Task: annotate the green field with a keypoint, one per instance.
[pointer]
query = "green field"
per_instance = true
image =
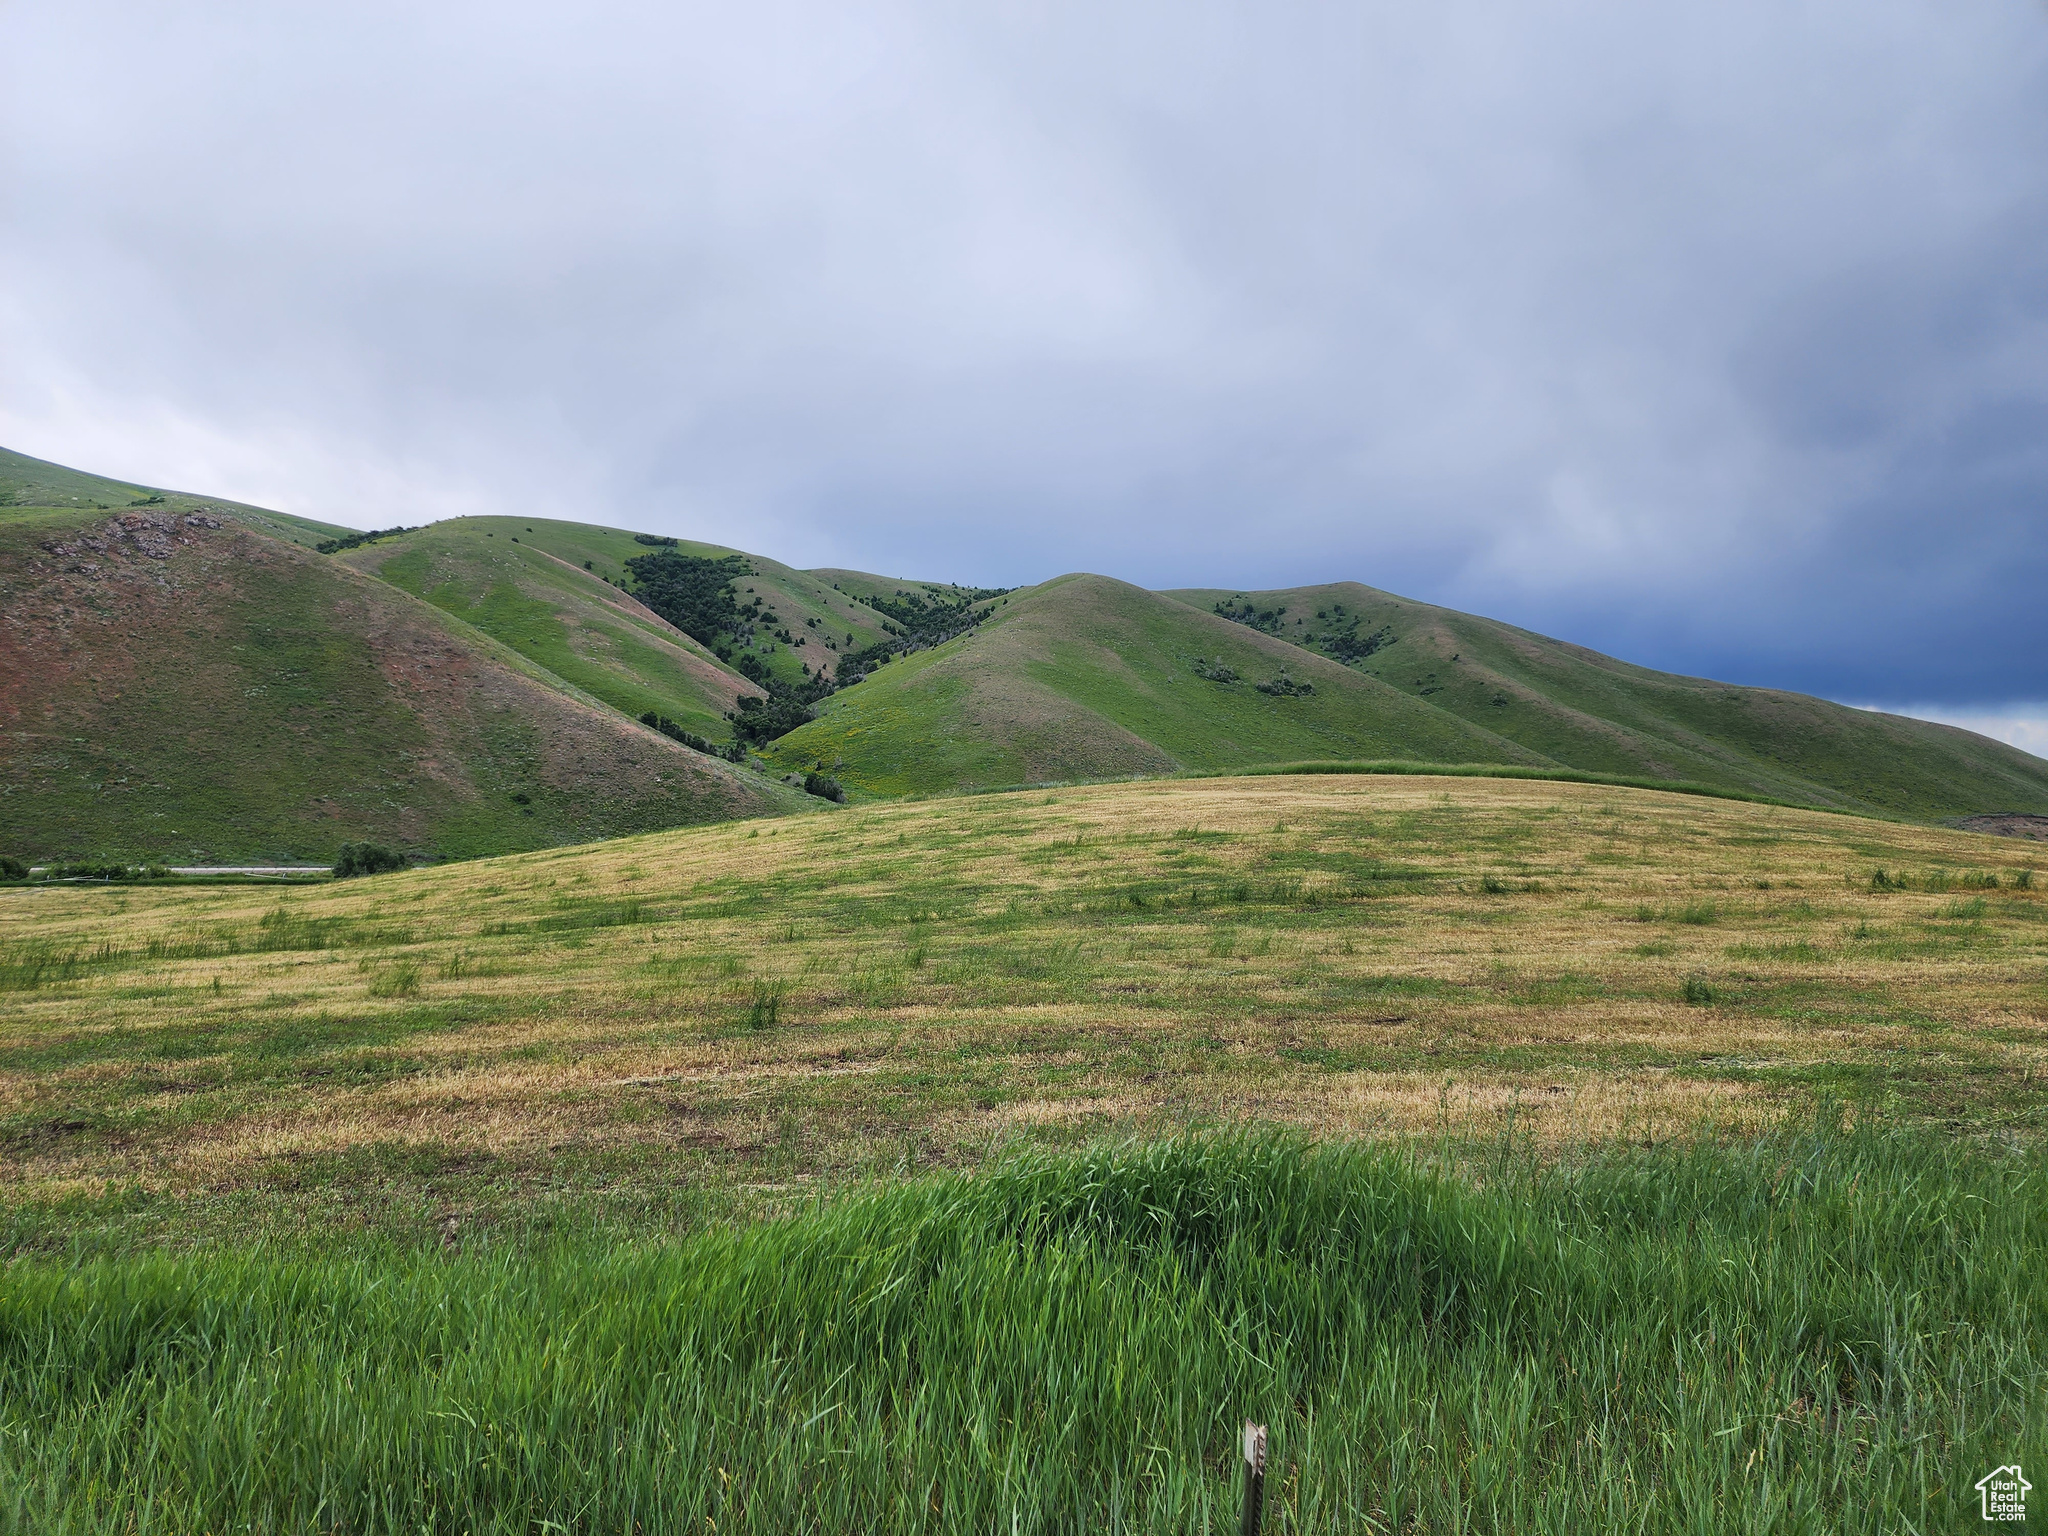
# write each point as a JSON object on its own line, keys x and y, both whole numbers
{"x": 838, "y": 995}
{"x": 1820, "y": 1331}
{"x": 1530, "y": 1156}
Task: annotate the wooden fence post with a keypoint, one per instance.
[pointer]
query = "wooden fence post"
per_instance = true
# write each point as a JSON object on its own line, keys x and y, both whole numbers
{"x": 1254, "y": 1476}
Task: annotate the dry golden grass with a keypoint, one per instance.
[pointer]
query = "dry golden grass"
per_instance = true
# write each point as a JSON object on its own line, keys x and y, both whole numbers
{"x": 842, "y": 992}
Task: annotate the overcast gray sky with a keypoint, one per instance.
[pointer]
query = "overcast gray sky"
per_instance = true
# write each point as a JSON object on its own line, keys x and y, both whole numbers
{"x": 1712, "y": 336}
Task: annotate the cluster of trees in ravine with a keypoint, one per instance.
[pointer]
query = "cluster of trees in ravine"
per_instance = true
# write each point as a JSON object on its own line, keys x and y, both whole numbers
{"x": 1337, "y": 637}
{"x": 700, "y": 595}
{"x": 356, "y": 540}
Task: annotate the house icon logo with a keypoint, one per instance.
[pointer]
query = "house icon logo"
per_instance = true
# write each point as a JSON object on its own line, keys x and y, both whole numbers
{"x": 2004, "y": 1493}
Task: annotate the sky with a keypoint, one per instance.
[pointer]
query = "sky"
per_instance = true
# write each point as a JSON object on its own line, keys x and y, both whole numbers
{"x": 1713, "y": 337}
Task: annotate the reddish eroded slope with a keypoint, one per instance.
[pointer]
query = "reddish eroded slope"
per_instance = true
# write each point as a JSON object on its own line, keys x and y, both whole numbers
{"x": 176, "y": 685}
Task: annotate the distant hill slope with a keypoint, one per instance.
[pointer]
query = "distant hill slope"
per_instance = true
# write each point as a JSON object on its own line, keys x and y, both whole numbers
{"x": 185, "y": 677}
{"x": 554, "y": 612}
{"x": 1574, "y": 706}
{"x": 27, "y": 483}
{"x": 175, "y": 684}
{"x": 1086, "y": 677}
{"x": 555, "y": 592}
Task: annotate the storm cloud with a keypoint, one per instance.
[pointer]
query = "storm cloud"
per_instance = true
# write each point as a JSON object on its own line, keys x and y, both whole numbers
{"x": 1714, "y": 337}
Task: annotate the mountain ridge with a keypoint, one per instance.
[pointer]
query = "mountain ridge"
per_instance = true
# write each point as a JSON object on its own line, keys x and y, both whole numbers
{"x": 1083, "y": 676}
{"x": 1588, "y": 710}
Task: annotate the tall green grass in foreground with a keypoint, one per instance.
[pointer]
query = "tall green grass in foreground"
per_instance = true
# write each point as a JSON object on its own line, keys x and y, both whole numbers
{"x": 1825, "y": 1330}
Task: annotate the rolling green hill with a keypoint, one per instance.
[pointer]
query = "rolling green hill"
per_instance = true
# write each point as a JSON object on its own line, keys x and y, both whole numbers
{"x": 177, "y": 685}
{"x": 145, "y": 700}
{"x": 554, "y": 592}
{"x": 1086, "y": 677}
{"x": 555, "y": 613}
{"x": 1577, "y": 707}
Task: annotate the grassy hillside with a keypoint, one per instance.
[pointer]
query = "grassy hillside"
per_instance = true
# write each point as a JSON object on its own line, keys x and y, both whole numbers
{"x": 546, "y": 606}
{"x": 460, "y": 563}
{"x": 470, "y": 1158}
{"x": 1575, "y": 706}
{"x": 1085, "y": 677}
{"x": 175, "y": 684}
{"x": 27, "y": 484}
{"x": 793, "y": 596}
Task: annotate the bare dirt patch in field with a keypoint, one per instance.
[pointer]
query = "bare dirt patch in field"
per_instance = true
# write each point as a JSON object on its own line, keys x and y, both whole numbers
{"x": 2007, "y": 824}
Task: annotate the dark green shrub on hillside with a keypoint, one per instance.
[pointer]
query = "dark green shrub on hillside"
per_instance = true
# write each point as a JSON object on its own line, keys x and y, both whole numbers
{"x": 1285, "y": 687}
{"x": 693, "y": 593}
{"x": 1350, "y": 647}
{"x": 787, "y": 705}
{"x": 1214, "y": 672}
{"x": 732, "y": 752}
{"x": 855, "y": 665}
{"x": 366, "y": 859}
{"x": 928, "y": 618}
{"x": 697, "y": 595}
{"x": 824, "y": 788}
{"x": 357, "y": 540}
{"x": 1244, "y": 611}
{"x": 12, "y": 869}
{"x": 658, "y": 540}
{"x": 760, "y": 720}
